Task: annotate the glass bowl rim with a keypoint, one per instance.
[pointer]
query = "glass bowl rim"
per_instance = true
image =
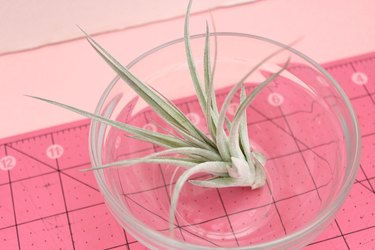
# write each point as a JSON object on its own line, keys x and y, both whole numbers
{"x": 324, "y": 216}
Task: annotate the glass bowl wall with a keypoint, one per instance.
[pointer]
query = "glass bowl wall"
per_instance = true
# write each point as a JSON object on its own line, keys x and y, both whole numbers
{"x": 302, "y": 122}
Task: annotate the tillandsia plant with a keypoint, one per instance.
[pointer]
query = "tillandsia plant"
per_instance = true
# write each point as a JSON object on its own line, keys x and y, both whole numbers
{"x": 225, "y": 153}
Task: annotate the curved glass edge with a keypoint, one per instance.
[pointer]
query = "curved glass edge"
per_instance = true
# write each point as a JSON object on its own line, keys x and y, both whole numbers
{"x": 324, "y": 216}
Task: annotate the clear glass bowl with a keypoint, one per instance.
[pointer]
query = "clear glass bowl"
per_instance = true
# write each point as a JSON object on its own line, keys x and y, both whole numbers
{"x": 302, "y": 122}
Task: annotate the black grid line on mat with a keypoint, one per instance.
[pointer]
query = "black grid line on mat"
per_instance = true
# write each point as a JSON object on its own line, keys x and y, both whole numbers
{"x": 85, "y": 125}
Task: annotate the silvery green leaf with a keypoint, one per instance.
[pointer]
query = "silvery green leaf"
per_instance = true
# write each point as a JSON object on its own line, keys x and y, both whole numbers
{"x": 221, "y": 182}
{"x": 206, "y": 62}
{"x": 168, "y": 112}
{"x": 259, "y": 157}
{"x": 260, "y": 175}
{"x": 181, "y": 162}
{"x": 142, "y": 134}
{"x": 244, "y": 136}
{"x": 222, "y": 140}
{"x": 191, "y": 152}
{"x": 210, "y": 116}
{"x": 193, "y": 71}
{"x": 156, "y": 158}
{"x": 243, "y": 170}
{"x": 210, "y": 167}
{"x": 209, "y": 74}
{"x": 217, "y": 182}
{"x": 234, "y": 132}
{"x": 205, "y": 143}
{"x": 212, "y": 75}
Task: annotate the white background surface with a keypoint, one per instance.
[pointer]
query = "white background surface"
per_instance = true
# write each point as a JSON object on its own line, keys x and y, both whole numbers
{"x": 73, "y": 73}
{"x": 26, "y": 24}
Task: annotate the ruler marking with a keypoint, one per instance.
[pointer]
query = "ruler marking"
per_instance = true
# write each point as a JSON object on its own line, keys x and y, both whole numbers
{"x": 32, "y": 157}
{"x": 198, "y": 223}
{"x": 31, "y": 177}
{"x": 274, "y": 202}
{"x": 361, "y": 96}
{"x": 13, "y": 204}
{"x": 63, "y": 195}
{"x": 285, "y": 131}
{"x": 369, "y": 94}
{"x": 221, "y": 200}
{"x": 302, "y": 155}
{"x": 369, "y": 134}
{"x": 366, "y": 177}
{"x": 126, "y": 200}
{"x": 341, "y": 234}
{"x": 340, "y": 65}
{"x": 364, "y": 186}
{"x": 121, "y": 245}
{"x": 311, "y": 176}
{"x": 325, "y": 240}
{"x": 45, "y": 134}
{"x": 364, "y": 85}
{"x": 200, "y": 237}
{"x": 53, "y": 215}
{"x": 76, "y": 166}
{"x": 47, "y": 173}
{"x": 306, "y": 166}
{"x": 165, "y": 184}
{"x": 77, "y": 180}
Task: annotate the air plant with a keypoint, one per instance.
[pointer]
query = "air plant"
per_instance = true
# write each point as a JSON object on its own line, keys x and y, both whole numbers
{"x": 228, "y": 157}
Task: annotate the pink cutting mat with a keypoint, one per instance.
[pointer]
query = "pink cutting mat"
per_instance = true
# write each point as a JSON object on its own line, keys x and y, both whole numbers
{"x": 46, "y": 203}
